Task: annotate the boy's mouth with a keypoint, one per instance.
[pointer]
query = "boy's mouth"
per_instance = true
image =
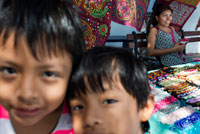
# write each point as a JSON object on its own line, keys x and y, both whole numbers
{"x": 26, "y": 112}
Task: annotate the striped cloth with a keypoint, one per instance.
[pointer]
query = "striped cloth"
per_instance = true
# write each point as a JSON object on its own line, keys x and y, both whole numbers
{"x": 64, "y": 125}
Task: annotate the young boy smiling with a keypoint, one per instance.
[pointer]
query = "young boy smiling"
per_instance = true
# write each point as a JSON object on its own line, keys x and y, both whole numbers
{"x": 109, "y": 93}
{"x": 40, "y": 43}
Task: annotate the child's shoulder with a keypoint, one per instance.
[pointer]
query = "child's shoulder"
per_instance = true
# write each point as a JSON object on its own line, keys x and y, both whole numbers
{"x": 3, "y": 113}
{"x": 5, "y": 124}
{"x": 64, "y": 125}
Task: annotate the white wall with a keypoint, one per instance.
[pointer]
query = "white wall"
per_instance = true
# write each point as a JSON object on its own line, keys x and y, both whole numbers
{"x": 190, "y": 25}
{"x": 118, "y": 29}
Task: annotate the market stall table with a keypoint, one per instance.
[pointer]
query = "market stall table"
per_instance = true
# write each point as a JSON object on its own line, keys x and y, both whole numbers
{"x": 177, "y": 99}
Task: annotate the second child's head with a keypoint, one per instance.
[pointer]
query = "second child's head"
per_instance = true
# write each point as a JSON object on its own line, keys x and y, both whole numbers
{"x": 40, "y": 42}
{"x": 109, "y": 93}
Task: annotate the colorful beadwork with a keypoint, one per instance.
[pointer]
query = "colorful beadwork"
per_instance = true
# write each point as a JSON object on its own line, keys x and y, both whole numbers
{"x": 183, "y": 111}
{"x": 185, "y": 122}
{"x": 163, "y": 103}
{"x": 177, "y": 115}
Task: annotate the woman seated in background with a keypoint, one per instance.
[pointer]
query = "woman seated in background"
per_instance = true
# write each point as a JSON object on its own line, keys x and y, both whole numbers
{"x": 163, "y": 41}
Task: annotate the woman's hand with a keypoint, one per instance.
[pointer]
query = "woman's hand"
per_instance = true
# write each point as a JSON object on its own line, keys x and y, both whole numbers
{"x": 178, "y": 47}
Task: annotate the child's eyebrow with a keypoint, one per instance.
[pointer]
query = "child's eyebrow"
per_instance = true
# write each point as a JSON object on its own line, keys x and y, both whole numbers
{"x": 53, "y": 65}
{"x": 8, "y": 62}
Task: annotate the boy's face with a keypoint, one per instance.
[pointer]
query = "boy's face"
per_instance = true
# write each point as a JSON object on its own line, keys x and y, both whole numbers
{"x": 112, "y": 112}
{"x": 32, "y": 91}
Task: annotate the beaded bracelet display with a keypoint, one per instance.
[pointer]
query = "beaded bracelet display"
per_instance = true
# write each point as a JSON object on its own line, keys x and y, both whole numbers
{"x": 169, "y": 109}
{"x": 159, "y": 94}
{"x": 188, "y": 72}
{"x": 184, "y": 90}
{"x": 177, "y": 115}
{"x": 181, "y": 96}
{"x": 193, "y": 100}
{"x": 172, "y": 85}
{"x": 179, "y": 87}
{"x": 186, "y": 122}
{"x": 160, "y": 104}
{"x": 193, "y": 94}
{"x": 196, "y": 82}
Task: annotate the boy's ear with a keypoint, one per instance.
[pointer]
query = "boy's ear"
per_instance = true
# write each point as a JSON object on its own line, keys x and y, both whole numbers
{"x": 146, "y": 112}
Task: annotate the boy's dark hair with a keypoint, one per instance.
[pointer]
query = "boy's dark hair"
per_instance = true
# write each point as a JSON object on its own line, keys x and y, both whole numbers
{"x": 100, "y": 64}
{"x": 46, "y": 25}
{"x": 159, "y": 8}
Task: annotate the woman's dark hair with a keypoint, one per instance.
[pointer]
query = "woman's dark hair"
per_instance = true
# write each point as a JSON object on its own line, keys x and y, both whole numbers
{"x": 159, "y": 8}
{"x": 48, "y": 25}
{"x": 102, "y": 64}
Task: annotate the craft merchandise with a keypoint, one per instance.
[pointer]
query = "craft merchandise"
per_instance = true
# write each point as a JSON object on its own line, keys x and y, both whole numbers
{"x": 161, "y": 104}
{"x": 170, "y": 82}
{"x": 177, "y": 99}
{"x": 187, "y": 121}
{"x": 192, "y": 94}
{"x": 194, "y": 78}
{"x": 185, "y": 89}
{"x": 184, "y": 41}
{"x": 159, "y": 94}
{"x": 181, "y": 96}
{"x": 169, "y": 108}
{"x": 177, "y": 115}
{"x": 177, "y": 88}
{"x": 187, "y": 72}
{"x": 193, "y": 100}
{"x": 173, "y": 84}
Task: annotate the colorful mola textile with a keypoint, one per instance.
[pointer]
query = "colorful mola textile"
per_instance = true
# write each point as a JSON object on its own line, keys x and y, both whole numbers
{"x": 96, "y": 19}
{"x": 130, "y": 12}
{"x": 182, "y": 10}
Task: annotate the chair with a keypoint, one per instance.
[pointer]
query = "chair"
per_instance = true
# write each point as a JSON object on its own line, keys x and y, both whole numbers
{"x": 139, "y": 41}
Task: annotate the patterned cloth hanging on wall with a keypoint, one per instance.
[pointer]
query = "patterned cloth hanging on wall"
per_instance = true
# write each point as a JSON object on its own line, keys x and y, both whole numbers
{"x": 96, "y": 17}
{"x": 182, "y": 10}
{"x": 130, "y": 12}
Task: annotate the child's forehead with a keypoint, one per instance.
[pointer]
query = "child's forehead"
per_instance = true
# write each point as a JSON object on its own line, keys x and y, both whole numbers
{"x": 39, "y": 49}
{"x": 112, "y": 87}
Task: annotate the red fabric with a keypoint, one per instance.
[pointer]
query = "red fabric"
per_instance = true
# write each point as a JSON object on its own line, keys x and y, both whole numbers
{"x": 96, "y": 17}
{"x": 3, "y": 113}
{"x": 71, "y": 131}
{"x": 130, "y": 12}
{"x": 182, "y": 10}
{"x": 96, "y": 20}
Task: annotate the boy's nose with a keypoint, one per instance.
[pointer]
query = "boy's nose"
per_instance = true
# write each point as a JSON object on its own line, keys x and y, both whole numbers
{"x": 93, "y": 118}
{"x": 27, "y": 92}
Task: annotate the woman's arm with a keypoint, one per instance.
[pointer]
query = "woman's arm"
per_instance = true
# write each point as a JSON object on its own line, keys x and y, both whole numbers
{"x": 152, "y": 51}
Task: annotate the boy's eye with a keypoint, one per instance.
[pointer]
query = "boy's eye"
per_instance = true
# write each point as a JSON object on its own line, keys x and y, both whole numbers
{"x": 109, "y": 101}
{"x": 8, "y": 71}
{"x": 49, "y": 74}
{"x": 78, "y": 107}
